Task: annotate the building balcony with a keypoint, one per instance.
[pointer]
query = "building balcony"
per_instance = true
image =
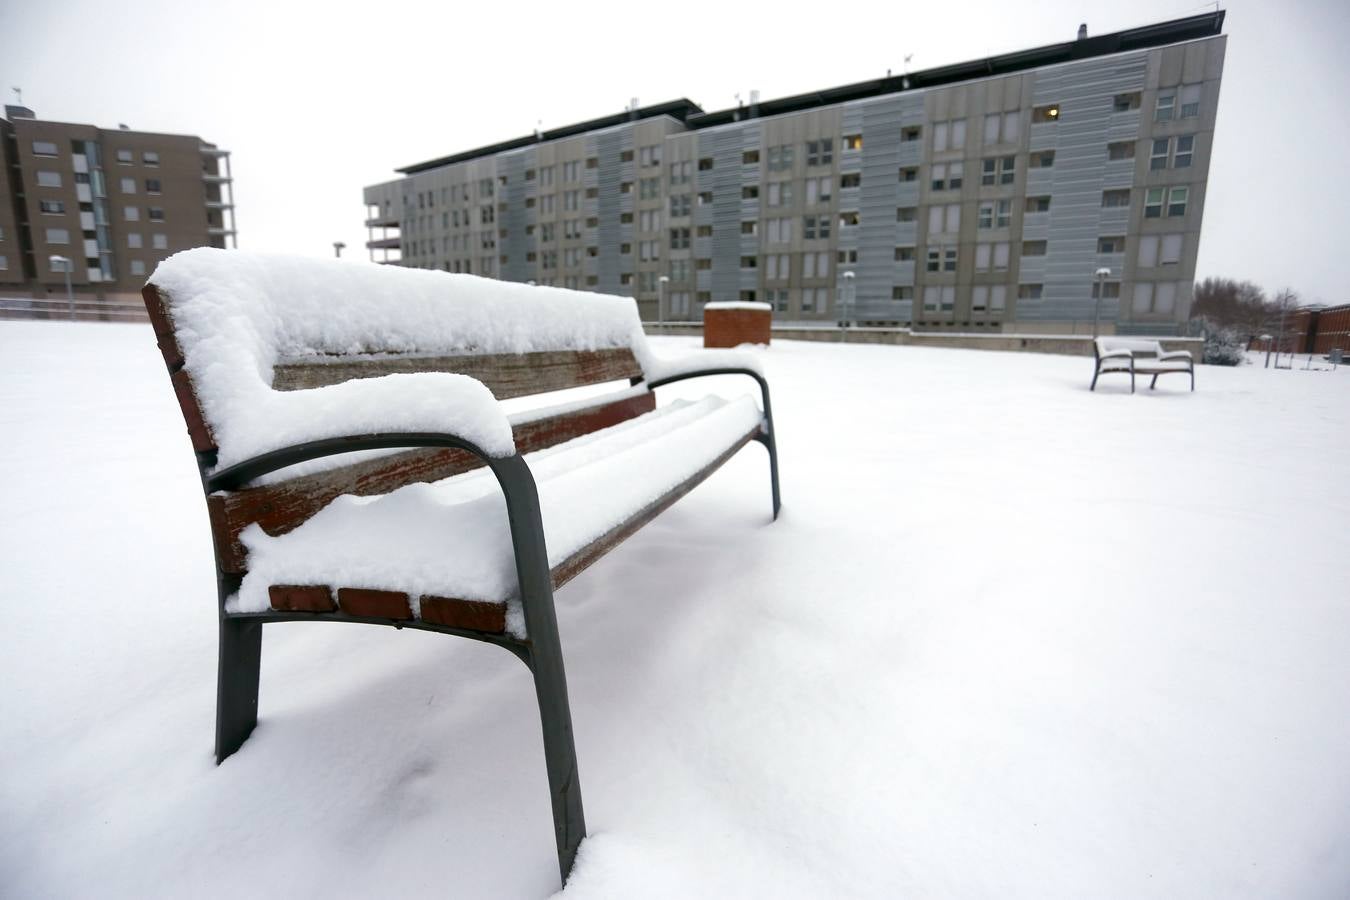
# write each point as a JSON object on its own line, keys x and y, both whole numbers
{"x": 217, "y": 231}
{"x": 383, "y": 222}
{"x": 213, "y": 151}
{"x": 388, "y": 243}
{"x": 214, "y": 178}
{"x": 218, "y": 204}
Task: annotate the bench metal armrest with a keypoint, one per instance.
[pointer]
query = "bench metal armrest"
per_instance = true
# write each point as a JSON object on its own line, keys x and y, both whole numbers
{"x": 1116, "y": 354}
{"x": 1176, "y": 354}
{"x": 241, "y": 473}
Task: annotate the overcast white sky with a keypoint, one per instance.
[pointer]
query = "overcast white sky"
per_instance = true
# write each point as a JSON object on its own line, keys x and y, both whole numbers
{"x": 317, "y": 100}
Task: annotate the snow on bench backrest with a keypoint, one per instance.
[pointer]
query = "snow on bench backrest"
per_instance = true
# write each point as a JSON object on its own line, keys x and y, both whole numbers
{"x": 241, "y": 319}
{"x": 1134, "y": 345}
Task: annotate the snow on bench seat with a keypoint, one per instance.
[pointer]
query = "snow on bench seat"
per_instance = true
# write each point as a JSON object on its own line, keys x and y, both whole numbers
{"x": 450, "y": 539}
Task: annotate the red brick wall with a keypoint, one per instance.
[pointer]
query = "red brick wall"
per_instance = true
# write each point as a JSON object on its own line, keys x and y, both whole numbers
{"x": 730, "y": 327}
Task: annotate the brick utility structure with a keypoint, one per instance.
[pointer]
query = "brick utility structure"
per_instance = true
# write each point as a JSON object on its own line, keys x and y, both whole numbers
{"x": 733, "y": 324}
{"x": 976, "y": 197}
{"x": 114, "y": 202}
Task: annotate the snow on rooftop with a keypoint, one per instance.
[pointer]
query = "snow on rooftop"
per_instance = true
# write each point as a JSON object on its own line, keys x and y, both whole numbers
{"x": 1009, "y": 638}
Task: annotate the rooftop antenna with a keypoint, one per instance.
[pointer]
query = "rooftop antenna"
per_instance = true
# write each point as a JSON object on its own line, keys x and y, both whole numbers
{"x": 18, "y": 96}
{"x": 538, "y": 128}
{"x": 904, "y": 80}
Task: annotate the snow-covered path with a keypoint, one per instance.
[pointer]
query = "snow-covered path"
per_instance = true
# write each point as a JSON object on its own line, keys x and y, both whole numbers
{"x": 1009, "y": 638}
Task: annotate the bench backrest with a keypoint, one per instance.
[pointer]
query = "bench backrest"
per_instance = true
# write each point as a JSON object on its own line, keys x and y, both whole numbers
{"x": 232, "y": 326}
{"x": 1134, "y": 345}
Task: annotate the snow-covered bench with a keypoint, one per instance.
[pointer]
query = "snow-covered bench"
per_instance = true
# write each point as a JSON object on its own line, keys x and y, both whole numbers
{"x": 1137, "y": 356}
{"x": 359, "y": 467}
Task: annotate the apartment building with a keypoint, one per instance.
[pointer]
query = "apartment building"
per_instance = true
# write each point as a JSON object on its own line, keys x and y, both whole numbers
{"x": 107, "y": 204}
{"x": 983, "y": 196}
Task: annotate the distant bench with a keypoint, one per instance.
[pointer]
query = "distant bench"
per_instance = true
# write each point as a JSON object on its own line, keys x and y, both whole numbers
{"x": 1135, "y": 356}
{"x": 280, "y": 366}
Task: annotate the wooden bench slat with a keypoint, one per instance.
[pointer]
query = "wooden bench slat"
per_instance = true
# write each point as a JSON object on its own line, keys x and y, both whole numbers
{"x": 579, "y": 561}
{"x": 374, "y": 604}
{"x": 507, "y": 375}
{"x": 278, "y": 508}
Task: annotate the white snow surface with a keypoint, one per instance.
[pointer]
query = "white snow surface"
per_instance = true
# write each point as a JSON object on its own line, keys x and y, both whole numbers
{"x": 739, "y": 304}
{"x": 450, "y": 538}
{"x": 238, "y": 314}
{"x": 1008, "y": 639}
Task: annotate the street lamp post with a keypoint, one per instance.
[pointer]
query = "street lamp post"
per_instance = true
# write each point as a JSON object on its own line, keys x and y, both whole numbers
{"x": 1102, "y": 274}
{"x": 66, "y": 265}
{"x": 661, "y": 298}
{"x": 338, "y": 247}
{"x": 848, "y": 299}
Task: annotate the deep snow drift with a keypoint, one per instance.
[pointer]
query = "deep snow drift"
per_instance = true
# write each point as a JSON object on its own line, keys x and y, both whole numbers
{"x": 1009, "y": 638}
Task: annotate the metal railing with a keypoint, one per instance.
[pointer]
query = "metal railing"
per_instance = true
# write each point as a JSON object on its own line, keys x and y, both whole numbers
{"x": 82, "y": 310}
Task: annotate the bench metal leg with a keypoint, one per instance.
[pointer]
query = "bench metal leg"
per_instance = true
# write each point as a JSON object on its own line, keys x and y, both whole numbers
{"x": 545, "y": 656}
{"x": 1154, "y": 383}
{"x": 237, "y": 684}
{"x": 1093, "y": 386}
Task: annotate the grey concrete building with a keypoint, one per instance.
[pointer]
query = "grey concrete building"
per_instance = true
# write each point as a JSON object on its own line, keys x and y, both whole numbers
{"x": 112, "y": 201}
{"x": 982, "y": 196}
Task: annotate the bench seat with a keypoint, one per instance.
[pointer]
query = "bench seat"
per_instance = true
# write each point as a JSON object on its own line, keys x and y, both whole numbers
{"x": 449, "y": 540}
{"x": 1145, "y": 366}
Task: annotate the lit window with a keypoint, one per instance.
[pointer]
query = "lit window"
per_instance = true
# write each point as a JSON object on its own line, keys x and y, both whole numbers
{"x": 1048, "y": 113}
{"x": 853, "y": 142}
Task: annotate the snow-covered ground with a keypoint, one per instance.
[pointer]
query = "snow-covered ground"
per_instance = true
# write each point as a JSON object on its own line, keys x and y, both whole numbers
{"x": 1009, "y": 638}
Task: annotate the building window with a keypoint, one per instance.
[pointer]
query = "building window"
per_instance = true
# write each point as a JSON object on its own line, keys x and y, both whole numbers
{"x": 133, "y": 240}
{"x": 1176, "y": 201}
{"x": 1004, "y": 127}
{"x": 1171, "y": 250}
{"x": 749, "y": 262}
{"x": 1029, "y": 291}
{"x": 152, "y": 186}
{"x": 156, "y": 214}
{"x": 1166, "y": 105}
{"x": 49, "y": 179}
{"x": 52, "y": 207}
{"x": 853, "y": 142}
{"x": 649, "y": 156}
{"x": 979, "y": 298}
{"x": 1158, "y": 155}
{"x": 1190, "y": 101}
{"x": 150, "y": 158}
{"x": 848, "y": 218}
{"x": 780, "y": 158}
{"x": 748, "y": 227}
{"x": 1185, "y": 150}
{"x": 131, "y": 214}
{"x": 934, "y": 263}
{"x": 137, "y": 267}
{"x": 906, "y": 214}
{"x": 998, "y": 171}
{"x": 995, "y": 214}
{"x": 820, "y": 153}
{"x": 777, "y": 267}
{"x": 1111, "y": 244}
{"x": 816, "y": 265}
{"x": 705, "y": 198}
{"x": 815, "y": 227}
{"x": 847, "y": 256}
{"x": 904, "y": 254}
{"x": 1048, "y": 113}
{"x": 1116, "y": 198}
{"x": 124, "y": 157}
{"x": 159, "y": 241}
{"x": 911, "y": 133}
{"x": 649, "y": 188}
{"x": 902, "y": 292}
{"x": 679, "y": 238}
{"x": 679, "y": 205}
{"x": 1111, "y": 290}
{"x": 44, "y": 148}
{"x": 780, "y": 193}
{"x": 778, "y": 231}
{"x": 571, "y": 170}
{"x": 992, "y": 256}
{"x": 1126, "y": 102}
{"x": 681, "y": 172}
{"x": 649, "y": 220}
{"x": 850, "y": 180}
{"x": 58, "y": 236}
{"x": 750, "y": 192}
{"x": 626, "y": 156}
{"x": 1042, "y": 159}
{"x": 909, "y": 173}
{"x": 1120, "y": 150}
{"x": 4, "y": 263}
{"x": 944, "y": 219}
{"x": 750, "y": 158}
{"x": 818, "y": 190}
{"x": 949, "y": 135}
{"x": 1033, "y": 248}
{"x": 1038, "y": 204}
{"x": 704, "y": 231}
